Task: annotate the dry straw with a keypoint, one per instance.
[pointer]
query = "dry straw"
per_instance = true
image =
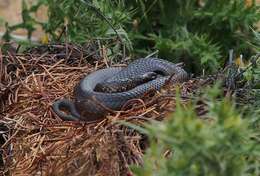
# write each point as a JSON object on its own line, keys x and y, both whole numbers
{"x": 39, "y": 143}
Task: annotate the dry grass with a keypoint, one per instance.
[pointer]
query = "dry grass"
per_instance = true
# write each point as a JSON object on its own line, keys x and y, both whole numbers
{"x": 39, "y": 143}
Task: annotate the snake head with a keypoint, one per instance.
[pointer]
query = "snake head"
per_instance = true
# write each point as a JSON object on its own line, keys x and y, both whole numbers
{"x": 149, "y": 76}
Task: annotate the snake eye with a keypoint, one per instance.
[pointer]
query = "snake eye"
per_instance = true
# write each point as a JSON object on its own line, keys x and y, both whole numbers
{"x": 154, "y": 76}
{"x": 150, "y": 75}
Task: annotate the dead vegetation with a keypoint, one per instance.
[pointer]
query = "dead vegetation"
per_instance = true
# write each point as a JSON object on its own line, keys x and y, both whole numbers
{"x": 37, "y": 142}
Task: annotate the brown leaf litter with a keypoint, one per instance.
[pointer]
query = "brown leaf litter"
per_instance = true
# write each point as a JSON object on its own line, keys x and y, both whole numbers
{"x": 38, "y": 142}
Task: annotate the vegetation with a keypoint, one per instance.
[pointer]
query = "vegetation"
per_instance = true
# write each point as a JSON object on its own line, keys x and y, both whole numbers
{"x": 223, "y": 141}
{"x": 199, "y": 33}
{"x": 225, "y": 145}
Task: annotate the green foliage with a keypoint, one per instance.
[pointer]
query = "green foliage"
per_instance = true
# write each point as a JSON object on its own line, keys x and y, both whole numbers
{"x": 252, "y": 74}
{"x": 204, "y": 52}
{"x": 77, "y": 21}
{"x": 199, "y": 33}
{"x": 222, "y": 146}
{"x": 84, "y": 20}
{"x": 180, "y": 25}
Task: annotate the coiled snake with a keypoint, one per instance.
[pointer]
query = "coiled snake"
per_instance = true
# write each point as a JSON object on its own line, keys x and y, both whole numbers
{"x": 112, "y": 87}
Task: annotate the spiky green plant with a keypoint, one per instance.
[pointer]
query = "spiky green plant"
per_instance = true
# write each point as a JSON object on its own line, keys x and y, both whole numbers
{"x": 197, "y": 32}
{"x": 226, "y": 145}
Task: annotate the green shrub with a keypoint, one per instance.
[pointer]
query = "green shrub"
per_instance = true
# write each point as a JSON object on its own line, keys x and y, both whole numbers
{"x": 197, "y": 32}
{"x": 200, "y": 33}
{"x": 226, "y": 145}
{"x": 84, "y": 20}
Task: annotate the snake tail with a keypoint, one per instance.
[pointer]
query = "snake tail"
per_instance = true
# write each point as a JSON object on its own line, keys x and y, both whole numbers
{"x": 68, "y": 105}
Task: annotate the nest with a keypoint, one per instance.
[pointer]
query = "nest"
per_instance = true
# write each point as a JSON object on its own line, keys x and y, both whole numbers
{"x": 37, "y": 142}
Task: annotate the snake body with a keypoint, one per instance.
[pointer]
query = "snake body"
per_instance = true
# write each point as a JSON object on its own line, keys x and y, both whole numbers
{"x": 125, "y": 83}
{"x": 91, "y": 104}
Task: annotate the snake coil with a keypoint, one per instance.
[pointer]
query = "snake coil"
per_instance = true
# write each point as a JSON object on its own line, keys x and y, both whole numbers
{"x": 92, "y": 105}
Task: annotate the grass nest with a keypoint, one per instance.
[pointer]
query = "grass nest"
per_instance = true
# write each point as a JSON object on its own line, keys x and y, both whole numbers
{"x": 35, "y": 141}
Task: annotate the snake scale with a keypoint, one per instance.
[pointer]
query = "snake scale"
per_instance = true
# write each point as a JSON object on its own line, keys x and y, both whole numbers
{"x": 102, "y": 89}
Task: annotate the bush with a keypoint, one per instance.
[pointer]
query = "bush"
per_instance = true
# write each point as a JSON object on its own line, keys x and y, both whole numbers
{"x": 200, "y": 33}
{"x": 225, "y": 145}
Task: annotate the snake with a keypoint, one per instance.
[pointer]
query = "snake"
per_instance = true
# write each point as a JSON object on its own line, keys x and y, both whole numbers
{"x": 124, "y": 84}
{"x": 109, "y": 89}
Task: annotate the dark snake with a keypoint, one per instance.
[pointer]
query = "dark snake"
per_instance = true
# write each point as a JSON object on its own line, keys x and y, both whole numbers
{"x": 110, "y": 88}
